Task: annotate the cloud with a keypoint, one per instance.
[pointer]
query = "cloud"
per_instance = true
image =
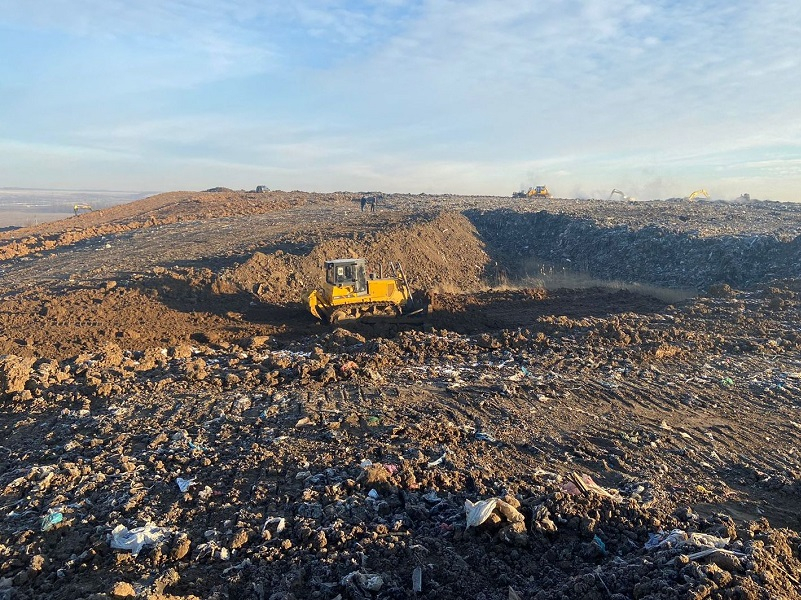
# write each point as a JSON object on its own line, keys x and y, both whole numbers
{"x": 476, "y": 95}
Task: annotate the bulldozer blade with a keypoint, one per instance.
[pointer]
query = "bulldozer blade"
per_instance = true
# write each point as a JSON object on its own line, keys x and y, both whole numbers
{"x": 315, "y": 306}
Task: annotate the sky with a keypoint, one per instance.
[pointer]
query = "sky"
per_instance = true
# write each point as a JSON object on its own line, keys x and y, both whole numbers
{"x": 654, "y": 98}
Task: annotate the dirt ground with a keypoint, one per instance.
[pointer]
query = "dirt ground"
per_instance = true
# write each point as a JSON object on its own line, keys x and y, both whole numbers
{"x": 605, "y": 402}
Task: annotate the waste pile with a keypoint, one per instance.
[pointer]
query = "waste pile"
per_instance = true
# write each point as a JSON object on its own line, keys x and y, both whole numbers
{"x": 170, "y": 432}
{"x": 436, "y": 463}
{"x": 652, "y": 254}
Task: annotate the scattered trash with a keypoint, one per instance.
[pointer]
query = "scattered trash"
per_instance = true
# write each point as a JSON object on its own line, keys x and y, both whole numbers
{"x": 366, "y": 463}
{"x": 584, "y": 484}
{"x": 373, "y": 494}
{"x": 51, "y": 520}
{"x": 135, "y": 539}
{"x": 184, "y": 484}
{"x": 214, "y": 551}
{"x": 677, "y": 538}
{"x": 483, "y": 436}
{"x": 366, "y": 581}
{"x": 435, "y": 463}
{"x": 710, "y": 551}
{"x": 600, "y": 544}
{"x": 417, "y": 580}
{"x": 480, "y": 511}
{"x": 431, "y": 497}
{"x": 373, "y": 421}
{"x": 278, "y": 522}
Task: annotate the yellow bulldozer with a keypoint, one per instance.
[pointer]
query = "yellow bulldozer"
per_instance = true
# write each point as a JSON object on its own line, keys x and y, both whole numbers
{"x": 350, "y": 293}
{"x": 539, "y": 191}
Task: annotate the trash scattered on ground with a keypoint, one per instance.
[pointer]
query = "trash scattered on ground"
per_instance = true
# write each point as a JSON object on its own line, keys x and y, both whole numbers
{"x": 417, "y": 580}
{"x": 528, "y": 441}
{"x": 439, "y": 461}
{"x": 137, "y": 538}
{"x": 184, "y": 484}
{"x": 678, "y": 538}
{"x": 51, "y": 520}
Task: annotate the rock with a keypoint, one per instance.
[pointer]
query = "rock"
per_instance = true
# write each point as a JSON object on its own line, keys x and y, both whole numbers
{"x": 180, "y": 351}
{"x": 110, "y": 355}
{"x": 195, "y": 369}
{"x": 38, "y": 562}
{"x": 15, "y": 371}
{"x": 166, "y": 579}
{"x": 240, "y": 539}
{"x": 721, "y": 290}
{"x": 122, "y": 589}
{"x": 180, "y": 547}
{"x": 726, "y": 561}
{"x": 255, "y": 342}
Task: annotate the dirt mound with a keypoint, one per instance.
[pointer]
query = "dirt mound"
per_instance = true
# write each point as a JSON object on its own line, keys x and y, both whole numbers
{"x": 168, "y": 306}
{"x": 438, "y": 251}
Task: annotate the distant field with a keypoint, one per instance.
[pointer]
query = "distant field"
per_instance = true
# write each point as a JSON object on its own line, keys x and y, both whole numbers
{"x": 26, "y": 207}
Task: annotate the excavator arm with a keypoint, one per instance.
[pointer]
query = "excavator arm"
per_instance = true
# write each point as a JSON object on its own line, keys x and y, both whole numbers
{"x": 698, "y": 193}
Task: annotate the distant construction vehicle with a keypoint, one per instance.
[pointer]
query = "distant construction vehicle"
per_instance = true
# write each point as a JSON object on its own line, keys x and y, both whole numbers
{"x": 79, "y": 208}
{"x": 539, "y": 191}
{"x": 623, "y": 196}
{"x": 698, "y": 194}
{"x": 350, "y": 293}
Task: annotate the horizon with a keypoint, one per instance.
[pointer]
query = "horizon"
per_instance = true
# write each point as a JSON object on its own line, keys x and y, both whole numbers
{"x": 141, "y": 194}
{"x": 486, "y": 98}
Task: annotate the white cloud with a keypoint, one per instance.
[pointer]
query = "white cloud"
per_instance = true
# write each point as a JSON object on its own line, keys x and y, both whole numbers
{"x": 478, "y": 95}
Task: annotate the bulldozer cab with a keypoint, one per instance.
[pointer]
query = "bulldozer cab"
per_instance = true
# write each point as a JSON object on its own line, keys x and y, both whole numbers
{"x": 347, "y": 272}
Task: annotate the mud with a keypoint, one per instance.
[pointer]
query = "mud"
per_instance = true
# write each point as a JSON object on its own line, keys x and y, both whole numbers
{"x": 619, "y": 443}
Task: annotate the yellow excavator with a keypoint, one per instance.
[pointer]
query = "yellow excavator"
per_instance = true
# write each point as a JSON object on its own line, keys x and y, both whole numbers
{"x": 350, "y": 293}
{"x": 79, "y": 208}
{"x": 698, "y": 194}
{"x": 623, "y": 196}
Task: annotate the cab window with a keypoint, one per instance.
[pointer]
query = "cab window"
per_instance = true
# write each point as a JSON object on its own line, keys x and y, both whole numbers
{"x": 340, "y": 274}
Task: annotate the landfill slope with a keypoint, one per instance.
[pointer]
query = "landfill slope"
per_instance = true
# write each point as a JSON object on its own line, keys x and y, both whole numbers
{"x": 176, "y": 425}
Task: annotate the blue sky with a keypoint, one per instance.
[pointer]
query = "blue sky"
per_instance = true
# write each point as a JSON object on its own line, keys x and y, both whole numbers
{"x": 657, "y": 98}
